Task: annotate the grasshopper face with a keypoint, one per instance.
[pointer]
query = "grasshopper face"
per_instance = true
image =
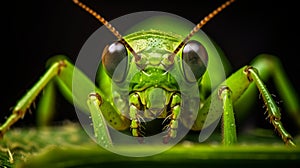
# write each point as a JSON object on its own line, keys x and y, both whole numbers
{"x": 152, "y": 80}
{"x": 152, "y": 76}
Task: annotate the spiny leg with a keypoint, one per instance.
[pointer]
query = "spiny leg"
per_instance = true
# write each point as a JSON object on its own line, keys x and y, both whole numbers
{"x": 270, "y": 67}
{"x": 62, "y": 72}
{"x": 273, "y": 110}
{"x": 229, "y": 131}
{"x": 24, "y": 103}
{"x": 238, "y": 83}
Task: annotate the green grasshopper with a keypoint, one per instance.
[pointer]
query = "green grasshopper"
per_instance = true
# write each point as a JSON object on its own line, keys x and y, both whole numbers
{"x": 152, "y": 76}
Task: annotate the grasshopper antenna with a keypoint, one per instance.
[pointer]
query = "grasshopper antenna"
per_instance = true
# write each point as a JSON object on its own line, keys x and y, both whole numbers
{"x": 108, "y": 26}
{"x": 198, "y": 27}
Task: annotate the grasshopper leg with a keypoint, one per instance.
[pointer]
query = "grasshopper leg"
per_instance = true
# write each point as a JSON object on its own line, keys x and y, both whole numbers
{"x": 238, "y": 89}
{"x": 270, "y": 67}
{"x": 173, "y": 117}
{"x": 100, "y": 127}
{"x": 238, "y": 83}
{"x": 61, "y": 72}
{"x": 228, "y": 122}
{"x": 273, "y": 110}
{"x": 24, "y": 103}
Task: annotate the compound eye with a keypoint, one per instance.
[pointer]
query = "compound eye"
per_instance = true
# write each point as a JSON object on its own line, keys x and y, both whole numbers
{"x": 112, "y": 56}
{"x": 195, "y": 57}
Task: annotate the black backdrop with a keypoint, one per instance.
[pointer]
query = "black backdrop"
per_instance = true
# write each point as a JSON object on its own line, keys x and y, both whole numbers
{"x": 33, "y": 31}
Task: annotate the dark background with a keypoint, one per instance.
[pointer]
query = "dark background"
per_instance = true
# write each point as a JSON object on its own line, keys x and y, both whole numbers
{"x": 33, "y": 31}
